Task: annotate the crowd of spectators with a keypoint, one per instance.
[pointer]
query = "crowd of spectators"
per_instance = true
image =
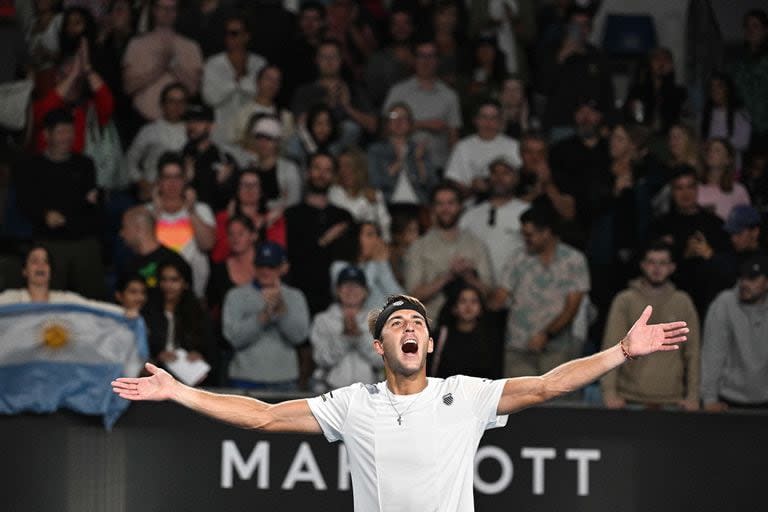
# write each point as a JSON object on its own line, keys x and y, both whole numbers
{"x": 252, "y": 177}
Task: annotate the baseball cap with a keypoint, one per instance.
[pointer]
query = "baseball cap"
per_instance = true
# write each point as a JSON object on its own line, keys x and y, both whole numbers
{"x": 198, "y": 112}
{"x": 741, "y": 217}
{"x": 754, "y": 267}
{"x": 270, "y": 254}
{"x": 267, "y": 127}
{"x": 351, "y": 274}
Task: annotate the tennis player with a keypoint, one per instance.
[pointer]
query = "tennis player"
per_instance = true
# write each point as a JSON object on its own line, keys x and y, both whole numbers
{"x": 411, "y": 439}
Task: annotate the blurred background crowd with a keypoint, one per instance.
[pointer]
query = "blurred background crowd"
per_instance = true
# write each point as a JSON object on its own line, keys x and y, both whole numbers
{"x": 252, "y": 177}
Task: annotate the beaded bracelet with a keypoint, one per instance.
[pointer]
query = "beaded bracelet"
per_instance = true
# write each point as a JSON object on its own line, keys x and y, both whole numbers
{"x": 625, "y": 351}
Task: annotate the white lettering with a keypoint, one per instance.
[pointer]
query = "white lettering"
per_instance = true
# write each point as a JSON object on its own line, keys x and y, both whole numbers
{"x": 304, "y": 468}
{"x": 343, "y": 468}
{"x": 539, "y": 455}
{"x": 507, "y": 470}
{"x": 232, "y": 459}
{"x": 583, "y": 457}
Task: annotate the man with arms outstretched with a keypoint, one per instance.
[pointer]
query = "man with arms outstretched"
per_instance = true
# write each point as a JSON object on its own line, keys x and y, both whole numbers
{"x": 411, "y": 440}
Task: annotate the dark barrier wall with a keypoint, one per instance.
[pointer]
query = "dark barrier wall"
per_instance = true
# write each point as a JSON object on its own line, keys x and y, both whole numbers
{"x": 161, "y": 457}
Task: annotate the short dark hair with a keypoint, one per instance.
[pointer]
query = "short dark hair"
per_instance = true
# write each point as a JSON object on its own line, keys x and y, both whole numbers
{"x": 170, "y": 87}
{"x": 244, "y": 220}
{"x": 488, "y": 102}
{"x": 169, "y": 158}
{"x": 542, "y": 218}
{"x": 312, "y": 6}
{"x": 658, "y": 246}
{"x": 264, "y": 69}
{"x": 125, "y": 279}
{"x": 759, "y": 14}
{"x": 373, "y": 315}
{"x": 56, "y": 117}
{"x": 329, "y": 42}
{"x": 445, "y": 185}
{"x": 28, "y": 250}
{"x": 683, "y": 170}
{"x": 320, "y": 153}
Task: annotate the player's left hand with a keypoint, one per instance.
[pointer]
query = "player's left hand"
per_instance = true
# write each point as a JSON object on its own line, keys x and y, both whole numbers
{"x": 643, "y": 338}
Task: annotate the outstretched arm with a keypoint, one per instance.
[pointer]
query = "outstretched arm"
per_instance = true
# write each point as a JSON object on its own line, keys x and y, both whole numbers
{"x": 241, "y": 411}
{"x": 642, "y": 339}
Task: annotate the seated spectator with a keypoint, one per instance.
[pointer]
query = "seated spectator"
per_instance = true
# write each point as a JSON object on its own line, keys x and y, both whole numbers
{"x": 694, "y": 233}
{"x": 183, "y": 223}
{"x": 131, "y": 293}
{"x": 655, "y": 99}
{"x": 317, "y": 227}
{"x": 318, "y": 132}
{"x": 394, "y": 62}
{"x": 516, "y": 116}
{"x": 139, "y": 233}
{"x": 405, "y": 231}
{"x": 353, "y": 193}
{"x": 348, "y": 25}
{"x": 497, "y": 220}
{"x": 269, "y": 224}
{"x": 734, "y": 353}
{"x": 719, "y": 191}
{"x": 238, "y": 268}
{"x": 280, "y": 177}
{"x": 743, "y": 227}
{"x": 578, "y": 160}
{"x": 683, "y": 146}
{"x": 57, "y": 193}
{"x": 723, "y": 117}
{"x": 175, "y": 319}
{"x": 341, "y": 344}
{"x": 167, "y": 133}
{"x": 211, "y": 171}
{"x": 42, "y": 39}
{"x": 449, "y": 40}
{"x": 755, "y": 178}
{"x": 468, "y": 165}
{"x": 229, "y": 78}
{"x": 264, "y": 322}
{"x": 468, "y": 341}
{"x": 204, "y": 21}
{"x": 350, "y": 107}
{"x": 543, "y": 284}
{"x": 663, "y": 378}
{"x": 446, "y": 255}
{"x": 158, "y": 58}
{"x": 435, "y": 111}
{"x": 483, "y": 78}
{"x": 749, "y": 73}
{"x": 80, "y": 90}
{"x": 300, "y": 68}
{"x": 571, "y": 70}
{"x": 36, "y": 270}
{"x": 372, "y": 258}
{"x": 268, "y": 86}
{"x": 398, "y": 165}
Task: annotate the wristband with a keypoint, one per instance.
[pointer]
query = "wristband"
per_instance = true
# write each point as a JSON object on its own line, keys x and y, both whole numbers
{"x": 625, "y": 351}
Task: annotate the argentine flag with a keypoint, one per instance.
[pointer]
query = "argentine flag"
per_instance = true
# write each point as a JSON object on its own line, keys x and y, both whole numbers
{"x": 65, "y": 356}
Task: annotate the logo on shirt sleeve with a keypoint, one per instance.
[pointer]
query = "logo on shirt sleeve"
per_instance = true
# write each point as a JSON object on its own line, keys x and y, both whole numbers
{"x": 448, "y": 398}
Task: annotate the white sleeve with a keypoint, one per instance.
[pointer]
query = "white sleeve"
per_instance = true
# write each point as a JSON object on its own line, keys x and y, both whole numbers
{"x": 484, "y": 394}
{"x": 205, "y": 213}
{"x": 457, "y": 166}
{"x": 330, "y": 410}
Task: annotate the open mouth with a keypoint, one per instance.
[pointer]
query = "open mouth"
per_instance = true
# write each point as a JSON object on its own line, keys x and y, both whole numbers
{"x": 410, "y": 347}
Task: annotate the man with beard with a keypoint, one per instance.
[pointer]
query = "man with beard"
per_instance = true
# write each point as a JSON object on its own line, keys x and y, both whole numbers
{"x": 735, "y": 346}
{"x": 317, "y": 234}
{"x": 543, "y": 284}
{"x": 659, "y": 379}
{"x": 211, "y": 172}
{"x": 497, "y": 220}
{"x": 577, "y": 160}
{"x": 446, "y": 254}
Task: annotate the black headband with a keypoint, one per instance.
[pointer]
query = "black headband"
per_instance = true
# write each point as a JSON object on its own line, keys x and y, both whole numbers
{"x": 397, "y": 306}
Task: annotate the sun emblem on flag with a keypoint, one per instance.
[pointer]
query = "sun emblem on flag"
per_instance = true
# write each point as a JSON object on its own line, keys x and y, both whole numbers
{"x": 55, "y": 334}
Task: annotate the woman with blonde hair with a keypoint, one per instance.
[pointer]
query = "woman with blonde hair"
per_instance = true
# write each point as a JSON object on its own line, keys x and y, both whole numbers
{"x": 353, "y": 192}
{"x": 683, "y": 146}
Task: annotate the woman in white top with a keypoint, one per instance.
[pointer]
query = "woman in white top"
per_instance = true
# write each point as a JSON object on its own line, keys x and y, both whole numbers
{"x": 719, "y": 191}
{"x": 353, "y": 193}
{"x": 722, "y": 116}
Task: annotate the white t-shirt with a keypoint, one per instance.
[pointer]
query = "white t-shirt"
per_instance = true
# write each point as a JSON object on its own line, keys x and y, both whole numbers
{"x": 472, "y": 155}
{"x": 425, "y": 464}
